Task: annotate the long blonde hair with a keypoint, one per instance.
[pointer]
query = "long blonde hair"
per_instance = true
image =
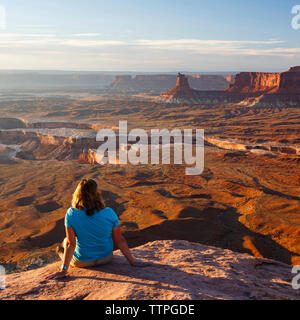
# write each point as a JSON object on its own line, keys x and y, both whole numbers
{"x": 87, "y": 197}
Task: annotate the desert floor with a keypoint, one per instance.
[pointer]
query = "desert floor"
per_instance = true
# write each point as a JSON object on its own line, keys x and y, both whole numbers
{"x": 244, "y": 201}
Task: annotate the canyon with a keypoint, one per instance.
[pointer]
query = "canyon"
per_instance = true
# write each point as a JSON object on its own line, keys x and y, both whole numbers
{"x": 38, "y": 140}
{"x": 44, "y": 140}
{"x": 246, "y": 200}
{"x": 250, "y": 179}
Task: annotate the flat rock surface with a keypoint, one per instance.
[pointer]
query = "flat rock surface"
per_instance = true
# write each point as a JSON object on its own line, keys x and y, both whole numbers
{"x": 178, "y": 270}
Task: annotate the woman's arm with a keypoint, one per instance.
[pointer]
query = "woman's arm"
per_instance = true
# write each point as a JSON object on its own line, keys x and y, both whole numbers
{"x": 121, "y": 243}
{"x": 70, "y": 247}
{"x": 68, "y": 254}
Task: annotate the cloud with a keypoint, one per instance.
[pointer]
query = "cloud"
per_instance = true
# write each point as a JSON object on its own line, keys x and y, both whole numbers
{"x": 32, "y": 41}
{"x": 197, "y": 42}
{"x": 90, "y": 51}
{"x": 18, "y": 36}
{"x": 192, "y": 46}
{"x": 284, "y": 52}
{"x": 87, "y": 34}
{"x": 219, "y": 47}
{"x": 35, "y": 26}
{"x": 90, "y": 43}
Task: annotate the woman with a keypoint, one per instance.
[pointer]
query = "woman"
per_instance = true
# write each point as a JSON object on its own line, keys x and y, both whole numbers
{"x": 91, "y": 229}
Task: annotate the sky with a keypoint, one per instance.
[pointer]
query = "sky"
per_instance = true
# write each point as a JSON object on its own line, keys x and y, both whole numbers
{"x": 149, "y": 36}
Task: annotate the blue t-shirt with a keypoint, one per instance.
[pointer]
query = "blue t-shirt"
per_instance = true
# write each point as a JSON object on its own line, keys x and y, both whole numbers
{"x": 93, "y": 233}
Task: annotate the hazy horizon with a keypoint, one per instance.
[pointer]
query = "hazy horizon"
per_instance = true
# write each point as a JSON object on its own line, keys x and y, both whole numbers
{"x": 62, "y": 71}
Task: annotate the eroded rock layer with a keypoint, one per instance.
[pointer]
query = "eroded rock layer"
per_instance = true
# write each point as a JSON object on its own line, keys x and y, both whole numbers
{"x": 182, "y": 89}
{"x": 285, "y": 83}
{"x": 249, "y": 88}
{"x": 260, "y": 82}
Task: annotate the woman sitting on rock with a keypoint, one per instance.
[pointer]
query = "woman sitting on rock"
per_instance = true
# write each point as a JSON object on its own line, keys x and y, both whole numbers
{"x": 91, "y": 229}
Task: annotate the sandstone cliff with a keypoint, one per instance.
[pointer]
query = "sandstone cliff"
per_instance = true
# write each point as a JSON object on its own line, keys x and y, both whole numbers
{"x": 181, "y": 90}
{"x": 256, "y": 148}
{"x": 256, "y": 82}
{"x": 183, "y": 93}
{"x": 60, "y": 140}
{"x": 248, "y": 89}
{"x": 88, "y": 157}
{"x": 178, "y": 270}
{"x": 290, "y": 82}
{"x": 285, "y": 83}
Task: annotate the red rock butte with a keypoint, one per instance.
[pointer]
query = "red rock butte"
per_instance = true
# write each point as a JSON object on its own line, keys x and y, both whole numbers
{"x": 255, "y": 82}
{"x": 265, "y": 89}
{"x": 290, "y": 81}
{"x": 286, "y": 83}
{"x": 181, "y": 90}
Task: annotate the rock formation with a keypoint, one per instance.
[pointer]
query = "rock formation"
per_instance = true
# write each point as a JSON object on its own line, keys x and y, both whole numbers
{"x": 179, "y": 270}
{"x": 285, "y": 83}
{"x": 41, "y": 140}
{"x": 255, "y": 82}
{"x": 266, "y": 148}
{"x": 88, "y": 156}
{"x": 164, "y": 82}
{"x": 290, "y": 81}
{"x": 248, "y": 89}
{"x": 183, "y": 93}
{"x": 12, "y": 123}
{"x": 181, "y": 90}
{"x": 36, "y": 146}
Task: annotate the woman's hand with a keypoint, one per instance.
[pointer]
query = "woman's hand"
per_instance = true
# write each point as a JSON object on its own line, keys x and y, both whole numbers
{"x": 121, "y": 243}
{"x": 57, "y": 275}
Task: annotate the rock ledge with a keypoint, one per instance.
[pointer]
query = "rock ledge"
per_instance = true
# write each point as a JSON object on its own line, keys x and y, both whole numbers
{"x": 179, "y": 270}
